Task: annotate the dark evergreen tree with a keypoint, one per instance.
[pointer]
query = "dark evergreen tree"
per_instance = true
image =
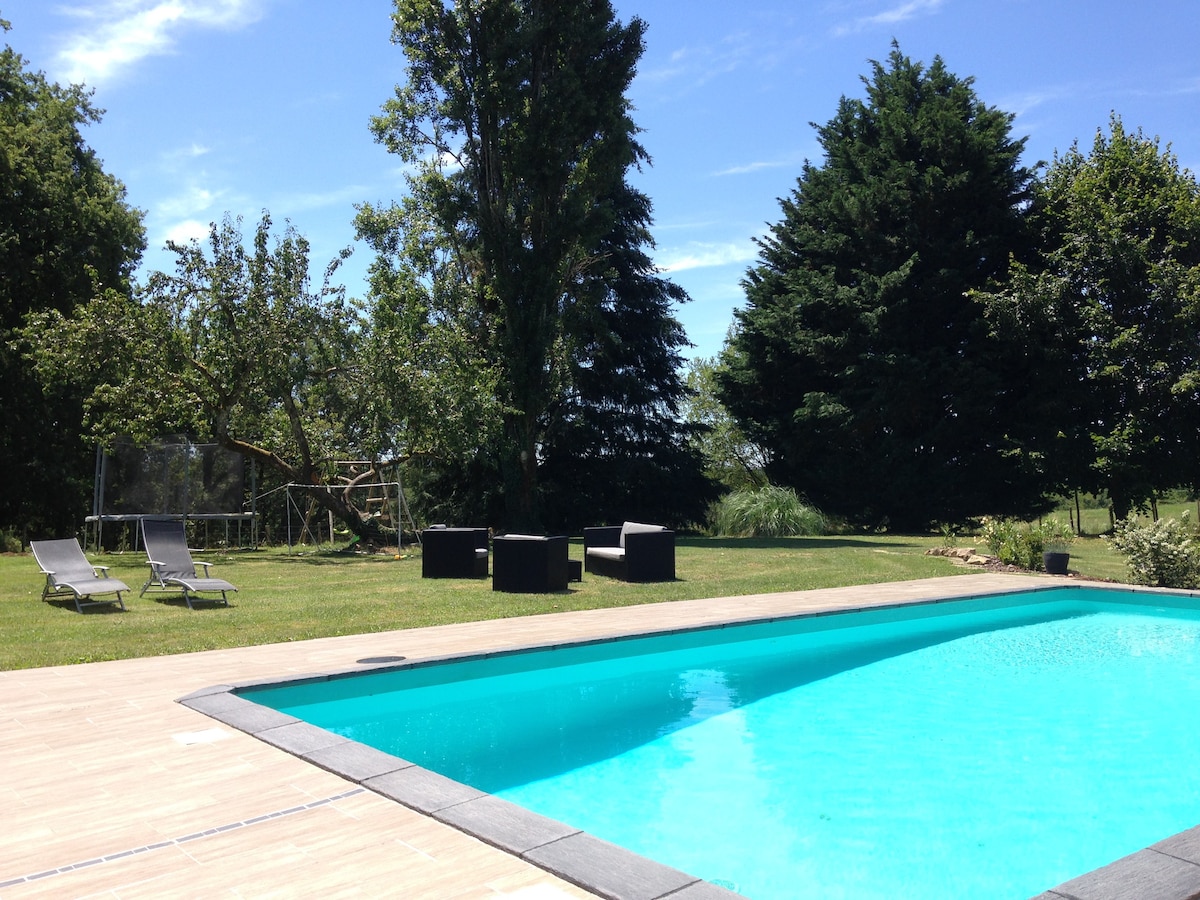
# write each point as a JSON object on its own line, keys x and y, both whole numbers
{"x": 861, "y": 360}
{"x": 516, "y": 117}
{"x": 614, "y": 446}
{"x": 66, "y": 233}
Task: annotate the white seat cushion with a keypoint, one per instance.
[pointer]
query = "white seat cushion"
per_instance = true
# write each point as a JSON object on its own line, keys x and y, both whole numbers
{"x": 607, "y": 552}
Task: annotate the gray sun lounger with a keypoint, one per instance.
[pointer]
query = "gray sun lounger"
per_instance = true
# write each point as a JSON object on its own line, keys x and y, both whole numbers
{"x": 68, "y": 573}
{"x": 171, "y": 566}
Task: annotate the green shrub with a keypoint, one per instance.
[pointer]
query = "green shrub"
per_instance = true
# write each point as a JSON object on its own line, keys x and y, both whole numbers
{"x": 1022, "y": 544}
{"x": 1057, "y": 535}
{"x": 1160, "y": 554}
{"x": 1014, "y": 543}
{"x": 10, "y": 541}
{"x": 769, "y": 511}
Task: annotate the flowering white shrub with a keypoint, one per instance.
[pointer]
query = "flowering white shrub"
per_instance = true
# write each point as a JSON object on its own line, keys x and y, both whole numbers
{"x": 1165, "y": 553}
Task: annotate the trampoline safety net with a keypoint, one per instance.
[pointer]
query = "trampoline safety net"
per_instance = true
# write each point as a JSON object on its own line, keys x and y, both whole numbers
{"x": 180, "y": 479}
{"x": 176, "y": 478}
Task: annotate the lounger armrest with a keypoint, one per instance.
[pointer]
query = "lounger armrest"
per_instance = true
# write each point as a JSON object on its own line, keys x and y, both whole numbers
{"x": 101, "y": 571}
{"x": 207, "y": 566}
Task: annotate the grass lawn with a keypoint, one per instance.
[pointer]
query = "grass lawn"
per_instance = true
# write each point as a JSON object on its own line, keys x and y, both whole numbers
{"x": 286, "y": 597}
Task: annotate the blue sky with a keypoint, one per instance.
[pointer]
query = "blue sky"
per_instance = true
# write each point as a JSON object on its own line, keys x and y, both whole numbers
{"x": 216, "y": 106}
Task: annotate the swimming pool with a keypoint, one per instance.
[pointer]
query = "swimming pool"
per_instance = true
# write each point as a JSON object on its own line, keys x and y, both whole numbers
{"x": 901, "y": 671}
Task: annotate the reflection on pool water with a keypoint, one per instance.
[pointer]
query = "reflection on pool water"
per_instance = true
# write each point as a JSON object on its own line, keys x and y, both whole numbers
{"x": 992, "y": 747}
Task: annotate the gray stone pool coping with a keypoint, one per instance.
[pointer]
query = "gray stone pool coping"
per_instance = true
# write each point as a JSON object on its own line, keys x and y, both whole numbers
{"x": 596, "y": 865}
{"x": 1167, "y": 870}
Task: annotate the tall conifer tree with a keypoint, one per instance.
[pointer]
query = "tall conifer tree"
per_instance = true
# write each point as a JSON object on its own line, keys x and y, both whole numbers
{"x": 860, "y": 359}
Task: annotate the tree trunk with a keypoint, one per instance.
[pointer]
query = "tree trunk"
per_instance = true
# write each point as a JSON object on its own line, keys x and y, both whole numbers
{"x": 367, "y": 528}
{"x": 1120, "y": 508}
{"x": 519, "y": 467}
{"x": 334, "y": 498}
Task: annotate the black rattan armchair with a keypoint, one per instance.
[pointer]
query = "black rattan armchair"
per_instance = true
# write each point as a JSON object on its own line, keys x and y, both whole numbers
{"x": 454, "y": 552}
{"x": 630, "y": 552}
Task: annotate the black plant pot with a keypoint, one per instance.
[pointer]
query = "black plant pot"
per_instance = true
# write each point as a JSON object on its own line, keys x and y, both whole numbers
{"x": 1055, "y": 563}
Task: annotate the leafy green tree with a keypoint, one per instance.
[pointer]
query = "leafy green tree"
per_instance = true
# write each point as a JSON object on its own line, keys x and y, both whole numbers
{"x": 65, "y": 232}
{"x": 234, "y": 346}
{"x": 1113, "y": 303}
{"x": 730, "y": 457}
{"x": 515, "y": 120}
{"x": 860, "y": 360}
{"x": 434, "y": 395}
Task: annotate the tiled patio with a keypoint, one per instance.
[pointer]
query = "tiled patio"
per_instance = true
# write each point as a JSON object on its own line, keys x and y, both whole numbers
{"x": 112, "y": 788}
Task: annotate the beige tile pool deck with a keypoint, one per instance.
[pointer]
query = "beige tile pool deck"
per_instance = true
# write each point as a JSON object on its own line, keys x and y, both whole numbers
{"x": 111, "y": 788}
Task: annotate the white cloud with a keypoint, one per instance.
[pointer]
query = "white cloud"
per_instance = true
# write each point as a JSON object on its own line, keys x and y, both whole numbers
{"x": 188, "y": 213}
{"x": 189, "y": 202}
{"x": 187, "y": 230}
{"x": 704, "y": 63}
{"x": 1185, "y": 88}
{"x": 300, "y": 202}
{"x": 192, "y": 151}
{"x": 706, "y": 256}
{"x": 1025, "y": 104}
{"x": 893, "y": 16}
{"x": 114, "y": 35}
{"x": 758, "y": 166}
{"x": 1022, "y": 104}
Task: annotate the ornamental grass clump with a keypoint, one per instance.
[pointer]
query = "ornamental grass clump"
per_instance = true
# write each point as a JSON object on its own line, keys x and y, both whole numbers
{"x": 770, "y": 511}
{"x": 1165, "y": 553}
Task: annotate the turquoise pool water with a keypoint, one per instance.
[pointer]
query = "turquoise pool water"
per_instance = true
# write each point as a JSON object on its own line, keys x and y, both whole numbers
{"x": 985, "y": 748}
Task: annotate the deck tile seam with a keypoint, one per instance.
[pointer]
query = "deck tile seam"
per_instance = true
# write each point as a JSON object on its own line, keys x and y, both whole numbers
{"x": 185, "y": 839}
